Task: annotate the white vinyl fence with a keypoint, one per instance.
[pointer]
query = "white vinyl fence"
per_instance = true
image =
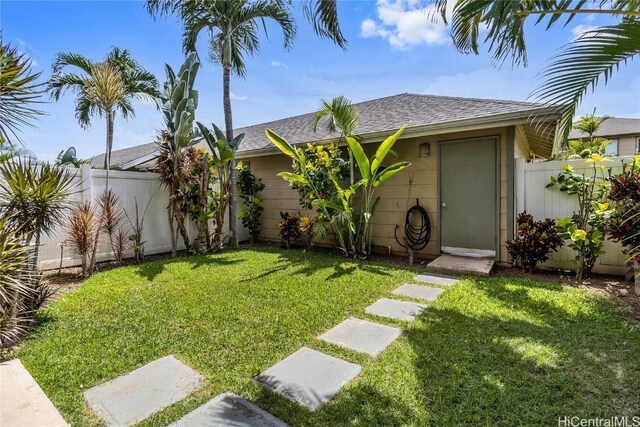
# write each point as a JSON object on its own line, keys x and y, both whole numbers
{"x": 541, "y": 202}
{"x": 143, "y": 187}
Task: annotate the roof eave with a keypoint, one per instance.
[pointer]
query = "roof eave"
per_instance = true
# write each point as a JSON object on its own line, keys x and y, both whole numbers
{"x": 499, "y": 120}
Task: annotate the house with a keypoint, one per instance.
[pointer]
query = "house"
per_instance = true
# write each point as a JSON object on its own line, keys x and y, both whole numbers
{"x": 462, "y": 153}
{"x": 623, "y": 133}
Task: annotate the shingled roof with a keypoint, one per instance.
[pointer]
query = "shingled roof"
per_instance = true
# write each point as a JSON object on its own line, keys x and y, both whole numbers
{"x": 377, "y": 116}
{"x": 126, "y": 155}
{"x": 612, "y": 127}
{"x": 389, "y": 114}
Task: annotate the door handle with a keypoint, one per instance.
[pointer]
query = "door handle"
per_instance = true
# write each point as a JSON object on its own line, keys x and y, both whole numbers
{"x": 444, "y": 205}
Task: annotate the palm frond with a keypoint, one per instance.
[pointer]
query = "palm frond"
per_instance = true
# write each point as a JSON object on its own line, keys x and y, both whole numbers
{"x": 339, "y": 113}
{"x": 19, "y": 91}
{"x": 323, "y": 15}
{"x": 582, "y": 65}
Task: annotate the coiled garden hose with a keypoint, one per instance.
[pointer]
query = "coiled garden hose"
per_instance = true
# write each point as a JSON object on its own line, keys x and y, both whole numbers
{"x": 416, "y": 236}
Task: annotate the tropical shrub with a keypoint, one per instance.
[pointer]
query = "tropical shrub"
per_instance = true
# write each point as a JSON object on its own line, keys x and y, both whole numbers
{"x": 112, "y": 221}
{"x": 175, "y": 159}
{"x": 22, "y": 290}
{"x": 322, "y": 162}
{"x": 585, "y": 229}
{"x": 624, "y": 224}
{"x": 289, "y": 226}
{"x": 137, "y": 225}
{"x": 584, "y": 148}
{"x": 534, "y": 241}
{"x": 82, "y": 226}
{"x": 313, "y": 228}
{"x": 248, "y": 189}
{"x": 222, "y": 153}
{"x": 352, "y": 230}
{"x": 33, "y": 198}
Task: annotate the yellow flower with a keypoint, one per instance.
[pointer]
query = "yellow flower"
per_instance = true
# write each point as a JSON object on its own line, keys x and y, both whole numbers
{"x": 309, "y": 166}
{"x": 568, "y": 168}
{"x": 578, "y": 235}
{"x": 598, "y": 158}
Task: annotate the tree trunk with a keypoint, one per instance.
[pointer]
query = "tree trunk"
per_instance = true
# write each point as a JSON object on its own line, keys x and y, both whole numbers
{"x": 228, "y": 123}
{"x": 203, "y": 222}
{"x": 174, "y": 240}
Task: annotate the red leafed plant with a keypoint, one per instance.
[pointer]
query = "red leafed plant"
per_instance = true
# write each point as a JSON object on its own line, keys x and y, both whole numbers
{"x": 534, "y": 241}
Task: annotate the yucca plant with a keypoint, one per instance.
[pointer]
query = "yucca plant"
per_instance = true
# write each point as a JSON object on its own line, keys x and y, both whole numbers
{"x": 82, "y": 228}
{"x": 137, "y": 225}
{"x": 34, "y": 198}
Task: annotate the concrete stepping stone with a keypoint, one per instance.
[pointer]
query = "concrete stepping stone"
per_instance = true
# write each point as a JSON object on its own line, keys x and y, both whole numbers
{"x": 308, "y": 377}
{"x": 131, "y": 398}
{"x": 436, "y": 280}
{"x": 361, "y": 335}
{"x": 227, "y": 410}
{"x": 394, "y": 309}
{"x": 417, "y": 291}
{"x": 22, "y": 401}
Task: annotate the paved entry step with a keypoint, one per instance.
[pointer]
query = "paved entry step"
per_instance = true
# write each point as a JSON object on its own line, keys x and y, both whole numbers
{"x": 462, "y": 264}
{"x": 417, "y": 291}
{"x": 436, "y": 279}
{"x": 22, "y": 401}
{"x": 131, "y": 398}
{"x": 309, "y": 377}
{"x": 361, "y": 335}
{"x": 394, "y": 309}
{"x": 226, "y": 410}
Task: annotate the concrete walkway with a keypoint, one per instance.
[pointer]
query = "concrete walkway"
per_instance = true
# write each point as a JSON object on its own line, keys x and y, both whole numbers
{"x": 22, "y": 401}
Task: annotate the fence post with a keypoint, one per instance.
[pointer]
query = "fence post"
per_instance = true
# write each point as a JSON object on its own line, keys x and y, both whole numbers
{"x": 520, "y": 186}
{"x": 85, "y": 183}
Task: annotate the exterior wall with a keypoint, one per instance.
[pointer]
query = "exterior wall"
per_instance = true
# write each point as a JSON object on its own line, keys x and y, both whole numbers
{"x": 398, "y": 194}
{"x": 627, "y": 144}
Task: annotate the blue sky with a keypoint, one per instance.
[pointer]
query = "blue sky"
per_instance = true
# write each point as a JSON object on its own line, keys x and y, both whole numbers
{"x": 393, "y": 48}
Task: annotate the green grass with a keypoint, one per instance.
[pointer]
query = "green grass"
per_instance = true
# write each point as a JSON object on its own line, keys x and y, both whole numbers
{"x": 490, "y": 351}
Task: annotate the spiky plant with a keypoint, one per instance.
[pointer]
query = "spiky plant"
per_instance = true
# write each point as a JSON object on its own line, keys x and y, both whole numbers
{"x": 19, "y": 91}
{"x": 82, "y": 227}
{"x": 112, "y": 218}
{"x": 34, "y": 198}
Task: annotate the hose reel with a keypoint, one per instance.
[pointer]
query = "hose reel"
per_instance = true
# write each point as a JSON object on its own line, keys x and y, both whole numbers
{"x": 417, "y": 228}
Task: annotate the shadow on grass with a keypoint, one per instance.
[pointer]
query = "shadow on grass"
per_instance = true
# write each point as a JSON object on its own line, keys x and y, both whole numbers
{"x": 542, "y": 363}
{"x": 153, "y": 269}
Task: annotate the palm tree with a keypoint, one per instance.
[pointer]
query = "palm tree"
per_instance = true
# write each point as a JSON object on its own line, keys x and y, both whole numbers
{"x": 233, "y": 27}
{"x": 103, "y": 89}
{"x": 581, "y": 65}
{"x": 339, "y": 114}
{"x": 18, "y": 91}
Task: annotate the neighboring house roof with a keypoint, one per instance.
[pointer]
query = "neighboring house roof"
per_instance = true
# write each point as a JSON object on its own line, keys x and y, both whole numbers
{"x": 612, "y": 127}
{"x": 379, "y": 117}
{"x": 120, "y": 158}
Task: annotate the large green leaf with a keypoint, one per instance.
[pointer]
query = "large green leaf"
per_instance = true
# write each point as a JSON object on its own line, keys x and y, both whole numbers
{"x": 327, "y": 204}
{"x": 281, "y": 143}
{"x": 360, "y": 157}
{"x": 384, "y": 148}
{"x": 292, "y": 177}
{"x": 390, "y": 171}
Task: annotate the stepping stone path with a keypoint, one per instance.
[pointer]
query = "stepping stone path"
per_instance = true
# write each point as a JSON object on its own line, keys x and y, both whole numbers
{"x": 131, "y": 398}
{"x": 361, "y": 335}
{"x": 22, "y": 401}
{"x": 418, "y": 292}
{"x": 394, "y": 309}
{"x": 436, "y": 280}
{"x": 308, "y": 377}
{"x": 226, "y": 410}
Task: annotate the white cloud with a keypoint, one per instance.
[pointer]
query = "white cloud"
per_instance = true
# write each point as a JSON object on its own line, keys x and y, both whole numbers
{"x": 237, "y": 97}
{"x": 405, "y": 23}
{"x": 579, "y": 30}
{"x": 277, "y": 64}
{"x": 23, "y": 49}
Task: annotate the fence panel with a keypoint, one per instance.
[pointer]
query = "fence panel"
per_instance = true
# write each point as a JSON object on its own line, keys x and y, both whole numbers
{"x": 541, "y": 202}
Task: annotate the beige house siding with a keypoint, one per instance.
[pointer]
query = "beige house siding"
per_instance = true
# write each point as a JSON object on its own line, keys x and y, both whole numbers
{"x": 627, "y": 144}
{"x": 398, "y": 194}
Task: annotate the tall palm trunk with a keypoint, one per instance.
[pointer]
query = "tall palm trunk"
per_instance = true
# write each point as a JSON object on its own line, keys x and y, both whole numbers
{"x": 228, "y": 123}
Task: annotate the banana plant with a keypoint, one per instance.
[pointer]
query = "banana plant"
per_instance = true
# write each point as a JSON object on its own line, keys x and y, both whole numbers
{"x": 221, "y": 156}
{"x": 352, "y": 232}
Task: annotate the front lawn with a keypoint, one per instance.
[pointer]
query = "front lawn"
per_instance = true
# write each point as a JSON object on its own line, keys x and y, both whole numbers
{"x": 489, "y": 351}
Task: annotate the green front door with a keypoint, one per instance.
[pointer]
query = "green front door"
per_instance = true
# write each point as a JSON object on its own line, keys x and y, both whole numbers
{"x": 469, "y": 197}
